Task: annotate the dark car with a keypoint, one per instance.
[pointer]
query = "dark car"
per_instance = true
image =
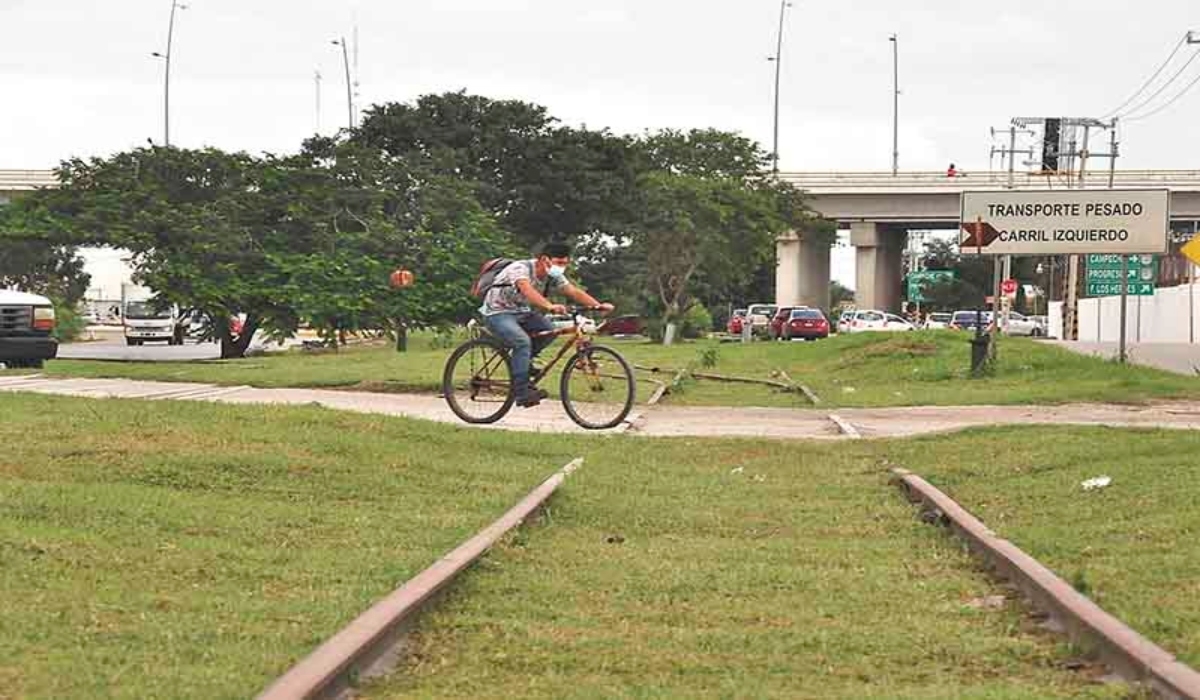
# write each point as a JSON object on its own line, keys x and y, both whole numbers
{"x": 778, "y": 320}
{"x": 808, "y": 324}
{"x": 966, "y": 320}
{"x": 624, "y": 325}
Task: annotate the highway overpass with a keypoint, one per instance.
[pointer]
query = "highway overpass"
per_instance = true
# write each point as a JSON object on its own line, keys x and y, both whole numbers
{"x": 879, "y": 209}
{"x": 13, "y": 182}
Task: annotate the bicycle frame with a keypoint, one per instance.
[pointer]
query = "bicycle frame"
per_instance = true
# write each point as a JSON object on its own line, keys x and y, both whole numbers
{"x": 578, "y": 341}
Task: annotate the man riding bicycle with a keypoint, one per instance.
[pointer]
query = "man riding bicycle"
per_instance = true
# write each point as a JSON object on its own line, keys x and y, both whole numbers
{"x": 509, "y": 310}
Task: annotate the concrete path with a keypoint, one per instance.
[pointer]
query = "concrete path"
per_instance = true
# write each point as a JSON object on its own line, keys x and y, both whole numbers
{"x": 1182, "y": 358}
{"x": 660, "y": 421}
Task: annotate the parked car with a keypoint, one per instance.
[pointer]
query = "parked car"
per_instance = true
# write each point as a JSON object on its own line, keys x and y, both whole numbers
{"x": 775, "y": 327}
{"x": 734, "y": 326}
{"x": 624, "y": 325}
{"x": 937, "y": 320}
{"x": 965, "y": 320}
{"x": 875, "y": 320}
{"x": 759, "y": 316}
{"x": 843, "y": 322}
{"x": 806, "y": 324}
{"x": 26, "y": 329}
{"x": 1020, "y": 324}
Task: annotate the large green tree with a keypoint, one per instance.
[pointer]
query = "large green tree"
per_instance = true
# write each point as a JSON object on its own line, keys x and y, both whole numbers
{"x": 708, "y": 232}
{"x": 280, "y": 241}
{"x": 37, "y": 259}
{"x": 541, "y": 180}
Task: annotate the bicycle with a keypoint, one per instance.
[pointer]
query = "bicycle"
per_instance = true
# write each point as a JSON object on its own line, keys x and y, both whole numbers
{"x": 596, "y": 386}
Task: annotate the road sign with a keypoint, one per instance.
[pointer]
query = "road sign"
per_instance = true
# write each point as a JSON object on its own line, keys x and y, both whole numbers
{"x": 1192, "y": 250}
{"x": 1056, "y": 222}
{"x": 1103, "y": 275}
{"x": 1009, "y": 288}
{"x": 917, "y": 281}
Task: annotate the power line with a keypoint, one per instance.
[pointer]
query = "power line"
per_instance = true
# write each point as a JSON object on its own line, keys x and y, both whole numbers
{"x": 1149, "y": 80}
{"x": 1165, "y": 85}
{"x": 1168, "y": 103}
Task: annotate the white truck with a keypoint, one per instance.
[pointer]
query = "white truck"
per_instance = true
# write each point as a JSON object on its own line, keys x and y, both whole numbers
{"x": 144, "y": 321}
{"x": 26, "y": 329}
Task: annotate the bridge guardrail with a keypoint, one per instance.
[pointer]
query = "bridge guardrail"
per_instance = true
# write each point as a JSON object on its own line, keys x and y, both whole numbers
{"x": 17, "y": 180}
{"x": 928, "y": 181}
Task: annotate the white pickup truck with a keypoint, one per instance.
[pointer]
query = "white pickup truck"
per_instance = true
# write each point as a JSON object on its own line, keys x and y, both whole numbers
{"x": 26, "y": 329}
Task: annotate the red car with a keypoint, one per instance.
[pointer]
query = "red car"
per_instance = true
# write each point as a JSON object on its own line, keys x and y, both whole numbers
{"x": 624, "y": 325}
{"x": 808, "y": 324}
{"x": 734, "y": 327}
{"x": 778, "y": 320}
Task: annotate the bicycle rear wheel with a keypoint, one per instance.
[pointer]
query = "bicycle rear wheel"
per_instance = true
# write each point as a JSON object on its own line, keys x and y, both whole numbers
{"x": 476, "y": 382}
{"x": 597, "y": 388}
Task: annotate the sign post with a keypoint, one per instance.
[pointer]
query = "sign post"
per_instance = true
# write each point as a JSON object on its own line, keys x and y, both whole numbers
{"x": 1124, "y": 275}
{"x": 1070, "y": 222}
{"x": 1192, "y": 251}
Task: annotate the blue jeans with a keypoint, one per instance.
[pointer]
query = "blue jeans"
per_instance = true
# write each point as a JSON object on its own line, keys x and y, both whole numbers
{"x": 513, "y": 330}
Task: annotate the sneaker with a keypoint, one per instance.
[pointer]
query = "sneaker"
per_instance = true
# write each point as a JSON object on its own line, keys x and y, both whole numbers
{"x": 534, "y": 397}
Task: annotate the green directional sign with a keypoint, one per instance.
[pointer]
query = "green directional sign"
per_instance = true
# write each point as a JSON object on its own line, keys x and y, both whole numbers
{"x": 917, "y": 281}
{"x": 1104, "y": 275}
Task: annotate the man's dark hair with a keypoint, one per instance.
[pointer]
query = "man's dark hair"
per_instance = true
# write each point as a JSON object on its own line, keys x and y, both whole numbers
{"x": 557, "y": 249}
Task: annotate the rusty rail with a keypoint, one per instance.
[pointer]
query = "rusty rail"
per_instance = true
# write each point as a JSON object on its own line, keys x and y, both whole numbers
{"x": 370, "y": 645}
{"x": 1129, "y": 654}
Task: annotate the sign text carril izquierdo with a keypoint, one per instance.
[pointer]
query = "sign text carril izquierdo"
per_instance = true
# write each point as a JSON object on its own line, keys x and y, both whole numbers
{"x": 1054, "y": 222}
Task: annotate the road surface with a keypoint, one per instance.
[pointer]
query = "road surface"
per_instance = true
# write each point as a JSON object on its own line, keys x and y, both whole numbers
{"x": 659, "y": 421}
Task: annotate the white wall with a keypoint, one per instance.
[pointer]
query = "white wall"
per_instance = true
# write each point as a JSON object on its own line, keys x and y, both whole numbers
{"x": 1162, "y": 318}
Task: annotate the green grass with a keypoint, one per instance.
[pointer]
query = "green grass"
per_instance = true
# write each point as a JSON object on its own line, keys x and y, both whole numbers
{"x": 197, "y": 550}
{"x": 817, "y": 581}
{"x": 866, "y": 369}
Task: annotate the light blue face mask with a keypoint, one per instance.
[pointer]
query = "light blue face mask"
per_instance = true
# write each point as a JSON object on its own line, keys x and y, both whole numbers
{"x": 557, "y": 271}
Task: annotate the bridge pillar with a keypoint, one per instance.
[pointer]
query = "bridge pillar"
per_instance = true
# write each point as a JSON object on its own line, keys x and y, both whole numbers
{"x": 879, "y": 258}
{"x": 801, "y": 272}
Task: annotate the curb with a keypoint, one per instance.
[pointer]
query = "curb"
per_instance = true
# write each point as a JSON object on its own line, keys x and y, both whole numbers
{"x": 371, "y": 644}
{"x": 1129, "y": 654}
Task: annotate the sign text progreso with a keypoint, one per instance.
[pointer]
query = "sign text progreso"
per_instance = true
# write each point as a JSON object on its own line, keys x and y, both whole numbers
{"x": 1056, "y": 222}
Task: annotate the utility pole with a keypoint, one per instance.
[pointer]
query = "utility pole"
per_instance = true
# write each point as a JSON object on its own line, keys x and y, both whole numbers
{"x": 346, "y": 63}
{"x": 777, "y": 58}
{"x": 1071, "y": 296}
{"x": 317, "y": 82}
{"x": 166, "y": 57}
{"x": 895, "y": 104}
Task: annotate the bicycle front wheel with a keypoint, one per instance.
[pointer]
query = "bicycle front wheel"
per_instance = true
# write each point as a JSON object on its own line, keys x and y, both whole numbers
{"x": 476, "y": 382}
{"x": 597, "y": 388}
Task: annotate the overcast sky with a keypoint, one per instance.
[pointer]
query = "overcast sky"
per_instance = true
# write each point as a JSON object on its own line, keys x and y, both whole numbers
{"x": 78, "y": 78}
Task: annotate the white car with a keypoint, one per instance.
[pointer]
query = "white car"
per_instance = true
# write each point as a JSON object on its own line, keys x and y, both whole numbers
{"x": 1020, "y": 324}
{"x": 875, "y": 320}
{"x": 759, "y": 316}
{"x": 843, "y": 322}
{"x": 938, "y": 320}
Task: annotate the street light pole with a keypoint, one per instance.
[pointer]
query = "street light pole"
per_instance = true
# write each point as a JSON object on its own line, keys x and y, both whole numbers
{"x": 777, "y": 58}
{"x": 167, "y": 72}
{"x": 349, "y": 97}
{"x": 895, "y": 104}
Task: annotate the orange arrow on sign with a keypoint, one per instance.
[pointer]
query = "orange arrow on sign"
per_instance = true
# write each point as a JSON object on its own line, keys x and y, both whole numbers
{"x": 977, "y": 230}
{"x": 1192, "y": 250}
